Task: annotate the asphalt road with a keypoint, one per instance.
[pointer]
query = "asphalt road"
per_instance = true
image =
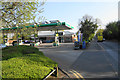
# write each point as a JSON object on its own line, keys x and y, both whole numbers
{"x": 99, "y": 60}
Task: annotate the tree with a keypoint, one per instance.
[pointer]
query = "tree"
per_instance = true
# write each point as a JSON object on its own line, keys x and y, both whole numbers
{"x": 88, "y": 25}
{"x": 15, "y": 14}
{"x": 118, "y": 24}
{"x": 19, "y": 13}
{"x": 111, "y": 31}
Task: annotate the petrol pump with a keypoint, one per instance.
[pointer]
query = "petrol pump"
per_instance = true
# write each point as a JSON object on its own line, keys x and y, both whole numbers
{"x": 56, "y": 43}
{"x": 57, "y": 39}
{"x": 80, "y": 44}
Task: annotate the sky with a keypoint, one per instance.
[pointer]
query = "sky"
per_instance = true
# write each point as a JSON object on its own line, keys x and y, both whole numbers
{"x": 73, "y": 10}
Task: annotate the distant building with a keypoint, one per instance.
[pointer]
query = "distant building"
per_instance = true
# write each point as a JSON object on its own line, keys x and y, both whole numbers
{"x": 46, "y": 32}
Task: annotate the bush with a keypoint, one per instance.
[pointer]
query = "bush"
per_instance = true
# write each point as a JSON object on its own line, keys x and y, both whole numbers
{"x": 25, "y": 62}
{"x": 17, "y": 51}
{"x": 111, "y": 31}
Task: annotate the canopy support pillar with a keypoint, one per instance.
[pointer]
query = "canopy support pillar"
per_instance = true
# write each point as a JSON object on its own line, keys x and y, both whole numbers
{"x": 3, "y": 36}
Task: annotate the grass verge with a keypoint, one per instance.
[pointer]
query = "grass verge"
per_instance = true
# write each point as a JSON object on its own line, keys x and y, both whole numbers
{"x": 25, "y": 62}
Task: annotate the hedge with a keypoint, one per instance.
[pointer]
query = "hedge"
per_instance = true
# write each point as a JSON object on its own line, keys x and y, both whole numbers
{"x": 25, "y": 62}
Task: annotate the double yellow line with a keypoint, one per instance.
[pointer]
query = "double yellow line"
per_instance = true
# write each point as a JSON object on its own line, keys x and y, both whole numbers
{"x": 77, "y": 75}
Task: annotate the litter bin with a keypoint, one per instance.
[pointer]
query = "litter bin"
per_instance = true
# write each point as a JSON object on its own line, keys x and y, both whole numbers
{"x": 76, "y": 45}
{"x": 83, "y": 45}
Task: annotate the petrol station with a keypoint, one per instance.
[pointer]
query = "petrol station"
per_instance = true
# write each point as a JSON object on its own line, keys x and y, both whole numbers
{"x": 53, "y": 26}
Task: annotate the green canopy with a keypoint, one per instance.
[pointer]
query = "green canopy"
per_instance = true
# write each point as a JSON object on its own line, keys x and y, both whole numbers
{"x": 47, "y": 27}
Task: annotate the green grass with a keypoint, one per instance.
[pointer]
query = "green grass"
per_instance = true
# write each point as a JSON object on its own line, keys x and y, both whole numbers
{"x": 25, "y": 62}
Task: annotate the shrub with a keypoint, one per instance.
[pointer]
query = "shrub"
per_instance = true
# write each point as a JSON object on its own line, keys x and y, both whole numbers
{"x": 25, "y": 62}
{"x": 18, "y": 51}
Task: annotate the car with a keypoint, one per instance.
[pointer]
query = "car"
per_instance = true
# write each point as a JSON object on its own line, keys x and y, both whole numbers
{"x": 2, "y": 46}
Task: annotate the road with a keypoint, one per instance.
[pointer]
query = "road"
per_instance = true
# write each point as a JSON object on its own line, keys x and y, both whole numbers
{"x": 99, "y": 60}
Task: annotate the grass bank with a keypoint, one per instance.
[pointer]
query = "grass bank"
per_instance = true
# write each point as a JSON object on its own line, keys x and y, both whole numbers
{"x": 25, "y": 62}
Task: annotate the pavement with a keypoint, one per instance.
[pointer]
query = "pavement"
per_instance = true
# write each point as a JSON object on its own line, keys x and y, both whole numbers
{"x": 98, "y": 61}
